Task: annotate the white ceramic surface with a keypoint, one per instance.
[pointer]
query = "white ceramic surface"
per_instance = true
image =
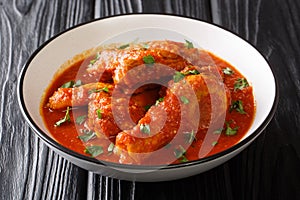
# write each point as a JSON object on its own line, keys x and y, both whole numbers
{"x": 40, "y": 68}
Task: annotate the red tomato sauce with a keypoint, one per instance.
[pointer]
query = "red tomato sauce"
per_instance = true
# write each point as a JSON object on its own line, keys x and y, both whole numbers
{"x": 67, "y": 134}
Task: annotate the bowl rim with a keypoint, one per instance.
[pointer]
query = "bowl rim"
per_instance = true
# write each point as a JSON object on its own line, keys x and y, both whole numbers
{"x": 54, "y": 144}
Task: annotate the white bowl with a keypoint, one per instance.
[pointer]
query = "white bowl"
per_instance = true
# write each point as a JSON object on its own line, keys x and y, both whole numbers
{"x": 42, "y": 65}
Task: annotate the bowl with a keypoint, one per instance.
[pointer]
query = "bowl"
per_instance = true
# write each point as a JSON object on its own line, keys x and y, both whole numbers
{"x": 45, "y": 61}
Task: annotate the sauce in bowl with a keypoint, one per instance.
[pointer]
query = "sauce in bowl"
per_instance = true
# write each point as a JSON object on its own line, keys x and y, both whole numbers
{"x": 183, "y": 104}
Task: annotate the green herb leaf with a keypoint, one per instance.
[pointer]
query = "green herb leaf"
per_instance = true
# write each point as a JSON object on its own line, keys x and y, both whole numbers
{"x": 184, "y": 100}
{"x": 190, "y": 137}
{"x": 71, "y": 84}
{"x": 147, "y": 107}
{"x": 65, "y": 119}
{"x": 68, "y": 84}
{"x": 148, "y": 59}
{"x": 230, "y": 131}
{"x": 105, "y": 89}
{"x": 111, "y": 147}
{"x": 240, "y": 84}
{"x": 94, "y": 151}
{"x": 228, "y": 71}
{"x": 95, "y": 90}
{"x": 192, "y": 72}
{"x": 80, "y": 119}
{"x": 183, "y": 159}
{"x": 124, "y": 46}
{"x": 145, "y": 128}
{"x": 214, "y": 143}
{"x": 188, "y": 44}
{"x": 178, "y": 77}
{"x": 97, "y": 56}
{"x": 159, "y": 100}
{"x": 180, "y": 154}
{"x": 87, "y": 136}
{"x": 99, "y": 113}
{"x": 238, "y": 106}
{"x": 77, "y": 83}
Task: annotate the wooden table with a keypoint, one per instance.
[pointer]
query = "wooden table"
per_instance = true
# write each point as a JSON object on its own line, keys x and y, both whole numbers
{"x": 268, "y": 169}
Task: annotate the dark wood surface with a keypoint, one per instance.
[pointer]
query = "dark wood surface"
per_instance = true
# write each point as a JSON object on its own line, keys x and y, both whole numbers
{"x": 268, "y": 169}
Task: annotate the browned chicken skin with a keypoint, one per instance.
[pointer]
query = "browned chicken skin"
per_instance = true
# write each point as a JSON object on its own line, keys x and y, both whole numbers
{"x": 78, "y": 96}
{"x": 188, "y": 105}
{"x": 105, "y": 122}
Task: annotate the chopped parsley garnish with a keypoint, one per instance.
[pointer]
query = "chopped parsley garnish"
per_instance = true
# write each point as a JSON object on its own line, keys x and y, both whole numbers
{"x": 68, "y": 84}
{"x": 159, "y": 100}
{"x": 105, "y": 89}
{"x": 94, "y": 151}
{"x": 145, "y": 128}
{"x": 111, "y": 147}
{"x": 72, "y": 84}
{"x": 148, "y": 59}
{"x": 124, "y": 46}
{"x": 77, "y": 83}
{"x": 230, "y": 131}
{"x": 99, "y": 113}
{"x": 80, "y": 119}
{"x": 192, "y": 72}
{"x": 188, "y": 44}
{"x": 178, "y": 77}
{"x": 184, "y": 100}
{"x": 180, "y": 154}
{"x": 183, "y": 159}
{"x": 240, "y": 84}
{"x": 228, "y": 71}
{"x": 214, "y": 143}
{"x": 190, "y": 137}
{"x": 147, "y": 107}
{"x": 97, "y": 56}
{"x": 88, "y": 135}
{"x": 65, "y": 119}
{"x": 238, "y": 106}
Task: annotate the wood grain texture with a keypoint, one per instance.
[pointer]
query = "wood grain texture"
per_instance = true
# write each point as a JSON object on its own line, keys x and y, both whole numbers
{"x": 267, "y": 169}
{"x": 198, "y": 9}
{"x": 105, "y": 8}
{"x": 28, "y": 169}
{"x": 268, "y": 166}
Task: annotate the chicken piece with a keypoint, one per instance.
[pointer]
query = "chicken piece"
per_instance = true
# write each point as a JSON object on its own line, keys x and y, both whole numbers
{"x": 210, "y": 70}
{"x": 113, "y": 64}
{"x": 147, "y": 66}
{"x": 189, "y": 105}
{"x": 130, "y": 67}
{"x": 195, "y": 56}
{"x": 107, "y": 116}
{"x": 104, "y": 64}
{"x": 78, "y": 96}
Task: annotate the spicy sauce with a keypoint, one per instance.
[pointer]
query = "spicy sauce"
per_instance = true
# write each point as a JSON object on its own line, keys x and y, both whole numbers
{"x": 237, "y": 121}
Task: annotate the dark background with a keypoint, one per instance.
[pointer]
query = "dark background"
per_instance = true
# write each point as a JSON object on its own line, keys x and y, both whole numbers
{"x": 268, "y": 169}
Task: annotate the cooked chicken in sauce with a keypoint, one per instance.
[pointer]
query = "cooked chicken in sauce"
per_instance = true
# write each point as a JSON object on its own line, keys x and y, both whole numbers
{"x": 149, "y": 103}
